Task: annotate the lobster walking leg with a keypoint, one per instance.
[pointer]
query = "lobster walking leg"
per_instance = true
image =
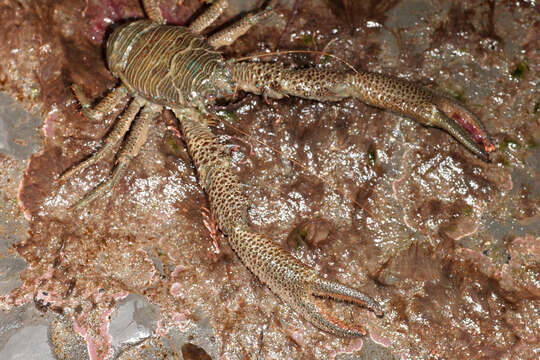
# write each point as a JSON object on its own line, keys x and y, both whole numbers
{"x": 229, "y": 35}
{"x": 132, "y": 145}
{"x": 383, "y": 91}
{"x": 297, "y": 284}
{"x": 151, "y": 8}
{"x": 116, "y": 135}
{"x": 102, "y": 108}
{"x": 209, "y": 16}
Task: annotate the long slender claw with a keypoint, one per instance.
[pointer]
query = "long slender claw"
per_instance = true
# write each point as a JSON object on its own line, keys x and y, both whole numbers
{"x": 464, "y": 126}
{"x": 325, "y": 288}
{"x": 298, "y": 285}
{"x": 461, "y": 135}
{"x": 312, "y": 309}
{"x": 380, "y": 90}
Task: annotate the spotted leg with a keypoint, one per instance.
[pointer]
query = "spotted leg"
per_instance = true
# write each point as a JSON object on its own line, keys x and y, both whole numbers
{"x": 116, "y": 135}
{"x": 229, "y": 35}
{"x": 297, "y": 284}
{"x": 102, "y": 108}
{"x": 384, "y": 91}
{"x": 152, "y": 10}
{"x": 131, "y": 147}
{"x": 209, "y": 16}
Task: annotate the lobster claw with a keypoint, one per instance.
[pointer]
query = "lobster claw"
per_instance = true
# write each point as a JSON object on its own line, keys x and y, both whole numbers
{"x": 297, "y": 284}
{"x": 310, "y": 307}
{"x": 463, "y": 125}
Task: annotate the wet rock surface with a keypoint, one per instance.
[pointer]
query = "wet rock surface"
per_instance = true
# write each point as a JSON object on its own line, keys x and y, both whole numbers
{"x": 133, "y": 321}
{"x": 447, "y": 243}
{"x": 24, "y": 334}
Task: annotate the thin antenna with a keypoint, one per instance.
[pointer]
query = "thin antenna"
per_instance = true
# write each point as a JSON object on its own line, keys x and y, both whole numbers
{"x": 296, "y": 52}
{"x": 301, "y": 166}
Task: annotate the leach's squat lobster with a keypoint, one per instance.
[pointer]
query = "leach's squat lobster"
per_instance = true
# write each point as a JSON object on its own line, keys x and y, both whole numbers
{"x": 173, "y": 67}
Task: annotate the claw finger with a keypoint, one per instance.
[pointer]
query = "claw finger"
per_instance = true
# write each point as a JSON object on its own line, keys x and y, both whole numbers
{"x": 337, "y": 291}
{"x": 460, "y": 134}
{"x": 464, "y": 126}
{"x": 313, "y": 312}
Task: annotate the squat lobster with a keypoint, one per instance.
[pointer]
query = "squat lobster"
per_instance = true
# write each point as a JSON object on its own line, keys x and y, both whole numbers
{"x": 175, "y": 67}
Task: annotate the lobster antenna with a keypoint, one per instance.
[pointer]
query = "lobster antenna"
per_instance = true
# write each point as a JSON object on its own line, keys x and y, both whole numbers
{"x": 297, "y": 52}
{"x": 300, "y": 165}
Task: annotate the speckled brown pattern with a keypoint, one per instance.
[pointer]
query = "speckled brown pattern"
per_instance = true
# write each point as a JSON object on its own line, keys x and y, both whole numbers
{"x": 447, "y": 242}
{"x": 171, "y": 66}
{"x": 380, "y": 90}
{"x": 212, "y": 160}
{"x": 229, "y": 35}
{"x": 208, "y": 17}
{"x": 152, "y": 11}
{"x": 289, "y": 278}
